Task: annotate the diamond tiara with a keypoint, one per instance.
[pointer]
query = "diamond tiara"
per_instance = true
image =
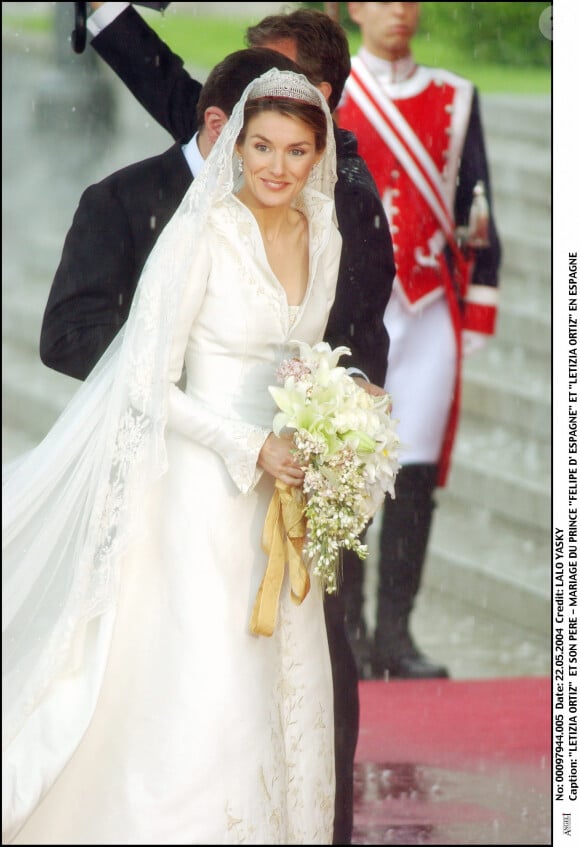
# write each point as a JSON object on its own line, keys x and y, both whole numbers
{"x": 286, "y": 84}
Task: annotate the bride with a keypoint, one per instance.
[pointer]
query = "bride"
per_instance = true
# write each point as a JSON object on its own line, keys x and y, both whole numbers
{"x": 138, "y": 707}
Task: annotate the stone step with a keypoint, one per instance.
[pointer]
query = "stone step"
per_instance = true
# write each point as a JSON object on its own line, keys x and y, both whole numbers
{"x": 474, "y": 642}
{"x": 492, "y": 562}
{"x": 527, "y": 261}
{"x": 502, "y": 471}
{"x": 521, "y": 117}
{"x": 508, "y": 208}
{"x": 15, "y": 443}
{"x": 477, "y": 558}
{"x": 509, "y": 215}
{"x": 526, "y": 227}
{"x": 518, "y": 366}
{"x": 524, "y": 313}
{"x": 22, "y": 318}
{"x": 509, "y": 388}
{"x": 33, "y": 396}
{"x": 520, "y": 174}
{"x": 522, "y": 324}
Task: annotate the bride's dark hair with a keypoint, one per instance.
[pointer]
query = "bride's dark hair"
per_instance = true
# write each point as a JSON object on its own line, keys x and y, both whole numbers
{"x": 311, "y": 115}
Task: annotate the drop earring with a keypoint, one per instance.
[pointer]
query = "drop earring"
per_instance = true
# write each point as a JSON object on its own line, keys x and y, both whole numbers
{"x": 240, "y": 165}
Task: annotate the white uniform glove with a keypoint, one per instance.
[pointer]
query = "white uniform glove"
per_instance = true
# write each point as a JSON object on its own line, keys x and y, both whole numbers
{"x": 472, "y": 341}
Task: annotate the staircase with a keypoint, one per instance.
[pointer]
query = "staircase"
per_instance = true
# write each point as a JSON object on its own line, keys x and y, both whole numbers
{"x": 490, "y": 542}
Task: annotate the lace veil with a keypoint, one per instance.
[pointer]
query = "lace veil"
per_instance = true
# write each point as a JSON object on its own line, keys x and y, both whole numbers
{"x": 68, "y": 503}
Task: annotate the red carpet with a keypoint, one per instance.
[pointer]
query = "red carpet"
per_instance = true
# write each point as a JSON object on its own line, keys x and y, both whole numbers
{"x": 454, "y": 762}
{"x": 435, "y": 721}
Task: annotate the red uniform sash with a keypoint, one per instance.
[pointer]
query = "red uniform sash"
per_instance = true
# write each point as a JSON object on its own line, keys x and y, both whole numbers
{"x": 409, "y": 152}
{"x": 389, "y": 144}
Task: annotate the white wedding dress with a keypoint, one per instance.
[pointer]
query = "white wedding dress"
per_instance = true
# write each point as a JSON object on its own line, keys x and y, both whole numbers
{"x": 177, "y": 725}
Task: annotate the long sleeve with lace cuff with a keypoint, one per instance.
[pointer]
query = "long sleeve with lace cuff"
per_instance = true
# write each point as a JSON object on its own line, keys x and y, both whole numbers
{"x": 236, "y": 441}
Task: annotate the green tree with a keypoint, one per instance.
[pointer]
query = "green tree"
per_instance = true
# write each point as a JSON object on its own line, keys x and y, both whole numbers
{"x": 490, "y": 32}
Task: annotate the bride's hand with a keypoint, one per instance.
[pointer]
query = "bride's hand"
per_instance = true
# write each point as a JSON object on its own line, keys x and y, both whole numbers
{"x": 276, "y": 459}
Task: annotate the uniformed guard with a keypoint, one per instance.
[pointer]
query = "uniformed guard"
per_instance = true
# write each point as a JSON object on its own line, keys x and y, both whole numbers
{"x": 420, "y": 132}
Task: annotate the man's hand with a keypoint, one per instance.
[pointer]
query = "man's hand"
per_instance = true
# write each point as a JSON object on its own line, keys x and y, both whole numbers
{"x": 369, "y": 387}
{"x": 372, "y": 389}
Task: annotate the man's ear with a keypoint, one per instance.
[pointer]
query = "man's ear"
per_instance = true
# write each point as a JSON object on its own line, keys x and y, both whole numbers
{"x": 214, "y": 120}
{"x": 325, "y": 89}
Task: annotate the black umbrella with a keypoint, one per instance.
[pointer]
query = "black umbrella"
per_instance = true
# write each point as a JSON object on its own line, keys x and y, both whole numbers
{"x": 79, "y": 33}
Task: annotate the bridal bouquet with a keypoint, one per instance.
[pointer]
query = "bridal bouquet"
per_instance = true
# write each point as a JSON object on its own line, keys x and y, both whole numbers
{"x": 346, "y": 444}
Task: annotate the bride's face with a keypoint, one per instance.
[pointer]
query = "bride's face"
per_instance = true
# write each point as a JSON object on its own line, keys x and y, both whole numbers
{"x": 278, "y": 153}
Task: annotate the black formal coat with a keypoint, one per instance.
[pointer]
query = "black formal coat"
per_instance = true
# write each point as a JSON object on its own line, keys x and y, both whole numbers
{"x": 115, "y": 226}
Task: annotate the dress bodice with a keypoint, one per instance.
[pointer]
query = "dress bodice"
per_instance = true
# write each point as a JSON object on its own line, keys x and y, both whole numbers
{"x": 293, "y": 312}
{"x": 236, "y": 324}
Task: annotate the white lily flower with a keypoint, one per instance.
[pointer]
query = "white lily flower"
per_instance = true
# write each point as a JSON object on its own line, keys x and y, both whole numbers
{"x": 347, "y": 445}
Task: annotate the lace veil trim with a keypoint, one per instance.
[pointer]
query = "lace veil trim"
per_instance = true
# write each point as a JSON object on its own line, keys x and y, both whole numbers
{"x": 68, "y": 504}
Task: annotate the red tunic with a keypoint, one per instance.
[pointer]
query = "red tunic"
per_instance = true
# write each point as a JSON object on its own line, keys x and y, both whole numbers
{"x": 413, "y": 143}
